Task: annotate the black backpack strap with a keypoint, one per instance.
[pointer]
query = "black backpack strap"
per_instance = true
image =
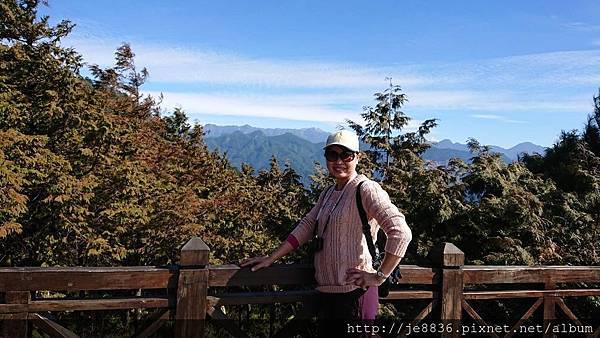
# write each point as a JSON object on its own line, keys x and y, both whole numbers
{"x": 366, "y": 228}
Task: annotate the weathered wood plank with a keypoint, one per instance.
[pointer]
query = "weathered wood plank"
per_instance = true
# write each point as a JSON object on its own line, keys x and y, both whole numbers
{"x": 426, "y": 311}
{"x": 567, "y": 311}
{"x": 475, "y": 274}
{"x": 157, "y": 323}
{"x": 98, "y": 269}
{"x": 299, "y": 296}
{"x": 50, "y": 327}
{"x": 451, "y": 298}
{"x": 450, "y": 261}
{"x": 295, "y": 274}
{"x": 413, "y": 274}
{"x": 446, "y": 255}
{"x": 279, "y": 274}
{"x": 549, "y": 308}
{"x": 523, "y": 318}
{"x": 262, "y": 297}
{"x": 103, "y": 278}
{"x": 530, "y": 293}
{"x": 73, "y": 279}
{"x": 191, "y": 303}
{"x": 18, "y": 297}
{"x": 195, "y": 252}
{"x": 85, "y": 304}
{"x": 476, "y": 316}
{"x": 16, "y": 325}
{"x": 409, "y": 294}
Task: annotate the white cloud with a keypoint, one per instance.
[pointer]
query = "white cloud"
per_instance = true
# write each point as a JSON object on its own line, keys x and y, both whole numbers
{"x": 320, "y": 108}
{"x": 545, "y": 82}
{"x": 581, "y": 26}
{"x": 568, "y": 68}
{"x": 184, "y": 65}
{"x": 443, "y": 99}
{"x": 287, "y": 107}
{"x": 496, "y": 118}
{"x": 501, "y": 100}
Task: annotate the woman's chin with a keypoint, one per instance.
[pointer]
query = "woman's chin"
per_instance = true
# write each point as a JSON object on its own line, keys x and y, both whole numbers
{"x": 340, "y": 174}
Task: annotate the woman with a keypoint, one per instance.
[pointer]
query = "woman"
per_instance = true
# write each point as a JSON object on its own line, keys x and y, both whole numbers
{"x": 347, "y": 283}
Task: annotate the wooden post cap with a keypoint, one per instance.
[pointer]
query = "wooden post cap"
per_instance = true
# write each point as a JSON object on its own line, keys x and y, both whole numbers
{"x": 195, "y": 252}
{"x": 447, "y": 255}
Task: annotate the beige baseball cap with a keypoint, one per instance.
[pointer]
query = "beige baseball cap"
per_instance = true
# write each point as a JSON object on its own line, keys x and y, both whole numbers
{"x": 343, "y": 138}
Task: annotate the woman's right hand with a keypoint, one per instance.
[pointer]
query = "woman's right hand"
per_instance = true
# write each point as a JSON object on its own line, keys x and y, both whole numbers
{"x": 258, "y": 262}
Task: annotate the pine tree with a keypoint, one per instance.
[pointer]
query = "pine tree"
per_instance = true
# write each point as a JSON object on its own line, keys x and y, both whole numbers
{"x": 383, "y": 126}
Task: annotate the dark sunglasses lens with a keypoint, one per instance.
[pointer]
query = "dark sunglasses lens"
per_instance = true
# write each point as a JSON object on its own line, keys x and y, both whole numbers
{"x": 347, "y": 156}
{"x": 332, "y": 156}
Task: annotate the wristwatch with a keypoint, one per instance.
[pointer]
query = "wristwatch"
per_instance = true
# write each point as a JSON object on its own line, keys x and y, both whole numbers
{"x": 381, "y": 275}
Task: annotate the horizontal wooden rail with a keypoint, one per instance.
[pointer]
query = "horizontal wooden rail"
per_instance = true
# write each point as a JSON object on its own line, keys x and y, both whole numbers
{"x": 296, "y": 274}
{"x": 530, "y": 293}
{"x": 409, "y": 294}
{"x": 278, "y": 274}
{"x": 413, "y": 274}
{"x": 262, "y": 297}
{"x": 79, "y": 278}
{"x": 198, "y": 289}
{"x": 140, "y": 277}
{"x": 86, "y": 304}
{"x": 476, "y": 274}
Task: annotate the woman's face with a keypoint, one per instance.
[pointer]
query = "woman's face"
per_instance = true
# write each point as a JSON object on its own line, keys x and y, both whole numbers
{"x": 338, "y": 168}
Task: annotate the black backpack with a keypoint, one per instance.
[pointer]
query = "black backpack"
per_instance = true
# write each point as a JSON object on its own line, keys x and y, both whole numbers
{"x": 376, "y": 255}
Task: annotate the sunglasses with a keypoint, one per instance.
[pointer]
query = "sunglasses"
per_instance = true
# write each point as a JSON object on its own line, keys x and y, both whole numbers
{"x": 345, "y": 156}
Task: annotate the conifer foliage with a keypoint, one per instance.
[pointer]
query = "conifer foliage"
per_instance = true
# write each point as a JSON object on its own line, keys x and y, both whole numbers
{"x": 533, "y": 211}
{"x": 92, "y": 174}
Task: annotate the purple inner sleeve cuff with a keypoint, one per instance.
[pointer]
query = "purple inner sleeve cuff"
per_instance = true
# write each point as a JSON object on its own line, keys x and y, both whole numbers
{"x": 293, "y": 241}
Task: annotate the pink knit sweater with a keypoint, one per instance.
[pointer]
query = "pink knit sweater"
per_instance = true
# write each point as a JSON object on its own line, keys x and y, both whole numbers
{"x": 345, "y": 245}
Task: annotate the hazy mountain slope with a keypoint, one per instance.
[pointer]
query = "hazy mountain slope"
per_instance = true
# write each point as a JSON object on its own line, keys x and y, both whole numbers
{"x": 256, "y": 149}
{"x": 313, "y": 135}
{"x": 254, "y": 146}
{"x": 510, "y": 153}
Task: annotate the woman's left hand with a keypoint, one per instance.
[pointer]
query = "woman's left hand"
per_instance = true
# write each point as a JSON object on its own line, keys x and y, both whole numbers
{"x": 362, "y": 278}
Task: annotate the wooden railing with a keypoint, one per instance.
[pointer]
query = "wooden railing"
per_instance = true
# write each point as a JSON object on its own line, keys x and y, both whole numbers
{"x": 199, "y": 290}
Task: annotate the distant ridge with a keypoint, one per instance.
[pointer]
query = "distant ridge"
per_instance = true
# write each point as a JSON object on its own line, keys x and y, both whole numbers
{"x": 303, "y": 147}
{"x": 256, "y": 149}
{"x": 510, "y": 153}
{"x": 314, "y": 135}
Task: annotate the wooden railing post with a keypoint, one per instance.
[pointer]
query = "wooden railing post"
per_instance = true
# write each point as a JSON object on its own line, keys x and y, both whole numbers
{"x": 451, "y": 260}
{"x": 549, "y": 309}
{"x": 192, "y": 288}
{"x": 16, "y": 325}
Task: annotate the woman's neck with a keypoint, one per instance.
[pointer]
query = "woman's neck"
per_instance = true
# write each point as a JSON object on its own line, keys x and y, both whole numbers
{"x": 341, "y": 182}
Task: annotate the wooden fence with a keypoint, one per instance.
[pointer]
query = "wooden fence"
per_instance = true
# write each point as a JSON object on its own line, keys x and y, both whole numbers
{"x": 194, "y": 284}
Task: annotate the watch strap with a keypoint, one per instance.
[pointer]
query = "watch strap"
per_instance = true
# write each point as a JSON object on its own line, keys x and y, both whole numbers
{"x": 380, "y": 274}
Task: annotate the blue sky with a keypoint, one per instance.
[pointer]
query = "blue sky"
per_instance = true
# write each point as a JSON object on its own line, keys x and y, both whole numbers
{"x": 503, "y": 72}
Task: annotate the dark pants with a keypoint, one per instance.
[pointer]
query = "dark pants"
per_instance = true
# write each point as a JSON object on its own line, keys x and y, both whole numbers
{"x": 339, "y": 313}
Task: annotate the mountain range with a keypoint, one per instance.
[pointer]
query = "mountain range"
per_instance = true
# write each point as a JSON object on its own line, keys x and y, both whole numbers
{"x": 303, "y": 147}
{"x": 314, "y": 135}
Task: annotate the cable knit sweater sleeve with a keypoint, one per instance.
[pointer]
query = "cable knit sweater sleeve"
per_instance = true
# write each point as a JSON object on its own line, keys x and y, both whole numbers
{"x": 378, "y": 205}
{"x": 305, "y": 228}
